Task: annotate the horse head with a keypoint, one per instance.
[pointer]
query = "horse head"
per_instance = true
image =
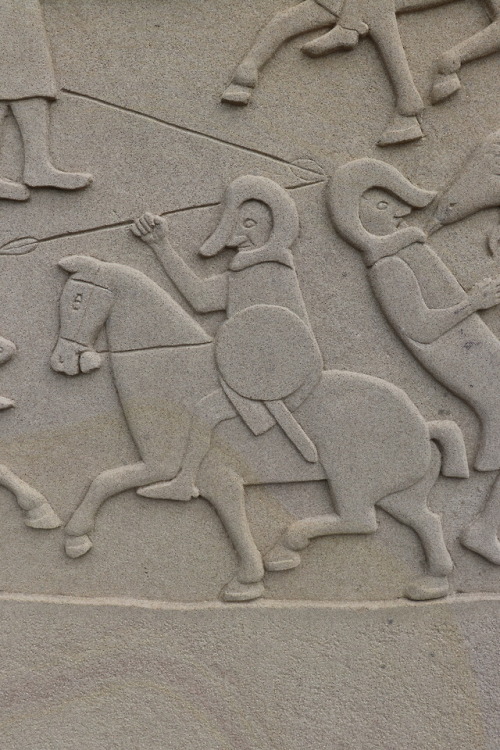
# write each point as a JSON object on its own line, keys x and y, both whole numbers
{"x": 84, "y": 308}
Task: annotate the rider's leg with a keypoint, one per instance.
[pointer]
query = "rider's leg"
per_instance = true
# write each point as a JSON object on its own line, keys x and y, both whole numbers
{"x": 32, "y": 116}
{"x": 209, "y": 412}
{"x": 10, "y": 190}
{"x": 344, "y": 36}
{"x": 385, "y": 34}
{"x": 39, "y": 514}
{"x": 106, "y": 485}
{"x": 224, "y": 490}
{"x": 481, "y": 536}
{"x": 299, "y": 19}
{"x": 481, "y": 44}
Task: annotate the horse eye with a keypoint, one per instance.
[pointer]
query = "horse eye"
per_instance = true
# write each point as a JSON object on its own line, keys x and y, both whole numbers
{"x": 382, "y": 205}
{"x": 249, "y": 223}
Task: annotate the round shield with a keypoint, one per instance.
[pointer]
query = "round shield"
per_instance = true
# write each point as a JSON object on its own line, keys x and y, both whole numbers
{"x": 266, "y": 352}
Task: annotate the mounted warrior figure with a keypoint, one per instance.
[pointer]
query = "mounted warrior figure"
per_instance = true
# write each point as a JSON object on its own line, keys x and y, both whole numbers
{"x": 428, "y": 309}
{"x": 267, "y": 357}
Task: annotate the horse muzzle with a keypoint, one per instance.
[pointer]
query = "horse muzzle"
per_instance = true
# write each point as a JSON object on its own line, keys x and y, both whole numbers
{"x": 71, "y": 358}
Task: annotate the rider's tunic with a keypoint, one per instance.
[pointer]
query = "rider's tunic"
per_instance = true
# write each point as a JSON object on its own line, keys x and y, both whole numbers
{"x": 26, "y": 69}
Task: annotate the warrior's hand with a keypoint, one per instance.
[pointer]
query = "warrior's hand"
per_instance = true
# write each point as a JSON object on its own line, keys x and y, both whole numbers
{"x": 485, "y": 294}
{"x": 150, "y": 229}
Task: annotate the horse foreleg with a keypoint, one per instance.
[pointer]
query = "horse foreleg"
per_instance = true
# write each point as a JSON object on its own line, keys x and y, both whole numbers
{"x": 385, "y": 34}
{"x": 299, "y": 19}
{"x": 447, "y": 82}
{"x": 104, "y": 486}
{"x": 39, "y": 514}
{"x": 410, "y": 508}
{"x": 224, "y": 490}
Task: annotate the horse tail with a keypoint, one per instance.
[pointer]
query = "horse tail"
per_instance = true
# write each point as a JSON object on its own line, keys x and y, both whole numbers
{"x": 450, "y": 440}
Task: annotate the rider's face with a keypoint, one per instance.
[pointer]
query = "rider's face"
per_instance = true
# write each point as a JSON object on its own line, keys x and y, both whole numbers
{"x": 381, "y": 213}
{"x": 253, "y": 226}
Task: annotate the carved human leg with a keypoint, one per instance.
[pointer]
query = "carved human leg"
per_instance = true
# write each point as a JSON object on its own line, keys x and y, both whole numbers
{"x": 481, "y": 44}
{"x": 10, "y": 190}
{"x": 410, "y": 508}
{"x": 39, "y": 514}
{"x": 224, "y": 490}
{"x": 209, "y": 412}
{"x": 385, "y": 34}
{"x": 106, "y": 485}
{"x": 299, "y": 19}
{"x": 32, "y": 116}
{"x": 481, "y": 536}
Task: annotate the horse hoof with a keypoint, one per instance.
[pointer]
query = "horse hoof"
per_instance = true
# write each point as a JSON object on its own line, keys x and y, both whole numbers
{"x": 236, "y": 94}
{"x": 428, "y": 587}
{"x": 444, "y": 87}
{"x": 281, "y": 558}
{"x": 42, "y": 517}
{"x": 235, "y": 591}
{"x": 402, "y": 129}
{"x": 483, "y": 542}
{"x": 76, "y": 546}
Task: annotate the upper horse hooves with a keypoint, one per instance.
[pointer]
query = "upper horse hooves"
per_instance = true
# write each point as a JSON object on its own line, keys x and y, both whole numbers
{"x": 444, "y": 87}
{"x": 76, "y": 546}
{"x": 281, "y": 558}
{"x": 235, "y": 591}
{"x": 237, "y": 94}
{"x": 42, "y": 517}
{"x": 427, "y": 588}
{"x": 402, "y": 129}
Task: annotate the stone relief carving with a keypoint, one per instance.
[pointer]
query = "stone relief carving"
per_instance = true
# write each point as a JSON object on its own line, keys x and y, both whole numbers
{"x": 267, "y": 369}
{"x": 38, "y": 513}
{"x": 351, "y": 19}
{"x": 429, "y": 310}
{"x": 27, "y": 87}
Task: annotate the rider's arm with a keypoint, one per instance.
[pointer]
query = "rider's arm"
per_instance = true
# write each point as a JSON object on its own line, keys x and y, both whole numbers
{"x": 399, "y": 294}
{"x": 204, "y": 295}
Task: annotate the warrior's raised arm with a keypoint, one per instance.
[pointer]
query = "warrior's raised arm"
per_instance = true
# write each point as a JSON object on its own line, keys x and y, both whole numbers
{"x": 204, "y": 295}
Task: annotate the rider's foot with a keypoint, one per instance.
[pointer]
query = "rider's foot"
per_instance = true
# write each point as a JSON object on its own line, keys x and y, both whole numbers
{"x": 76, "y": 546}
{"x": 13, "y": 191}
{"x": 402, "y": 129}
{"x": 235, "y": 591}
{"x": 180, "y": 489}
{"x": 281, "y": 558}
{"x": 42, "y": 517}
{"x": 46, "y": 175}
{"x": 445, "y": 86}
{"x": 338, "y": 38}
{"x": 427, "y": 588}
{"x": 483, "y": 541}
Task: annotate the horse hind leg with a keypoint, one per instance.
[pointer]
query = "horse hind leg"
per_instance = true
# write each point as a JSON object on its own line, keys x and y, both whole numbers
{"x": 39, "y": 514}
{"x": 286, "y": 24}
{"x": 481, "y": 44}
{"x": 104, "y": 486}
{"x": 223, "y": 488}
{"x": 410, "y": 508}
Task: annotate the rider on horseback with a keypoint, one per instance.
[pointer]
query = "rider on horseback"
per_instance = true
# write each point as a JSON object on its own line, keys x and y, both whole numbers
{"x": 266, "y": 353}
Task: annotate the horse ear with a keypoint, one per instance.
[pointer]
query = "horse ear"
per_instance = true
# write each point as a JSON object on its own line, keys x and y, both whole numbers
{"x": 74, "y": 263}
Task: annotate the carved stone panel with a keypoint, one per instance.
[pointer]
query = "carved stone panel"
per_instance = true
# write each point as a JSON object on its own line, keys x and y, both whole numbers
{"x": 250, "y": 261}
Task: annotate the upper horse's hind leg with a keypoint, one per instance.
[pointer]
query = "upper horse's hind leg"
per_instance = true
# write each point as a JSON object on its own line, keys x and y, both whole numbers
{"x": 224, "y": 490}
{"x": 306, "y": 16}
{"x": 104, "y": 486}
{"x": 410, "y": 508}
{"x": 485, "y": 42}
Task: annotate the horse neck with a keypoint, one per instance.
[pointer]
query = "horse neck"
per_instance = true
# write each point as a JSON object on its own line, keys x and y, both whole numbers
{"x": 144, "y": 316}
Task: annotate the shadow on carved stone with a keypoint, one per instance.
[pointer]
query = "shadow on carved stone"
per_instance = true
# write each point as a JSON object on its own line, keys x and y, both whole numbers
{"x": 365, "y": 436}
{"x": 26, "y": 88}
{"x": 350, "y": 19}
{"x": 437, "y": 322}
